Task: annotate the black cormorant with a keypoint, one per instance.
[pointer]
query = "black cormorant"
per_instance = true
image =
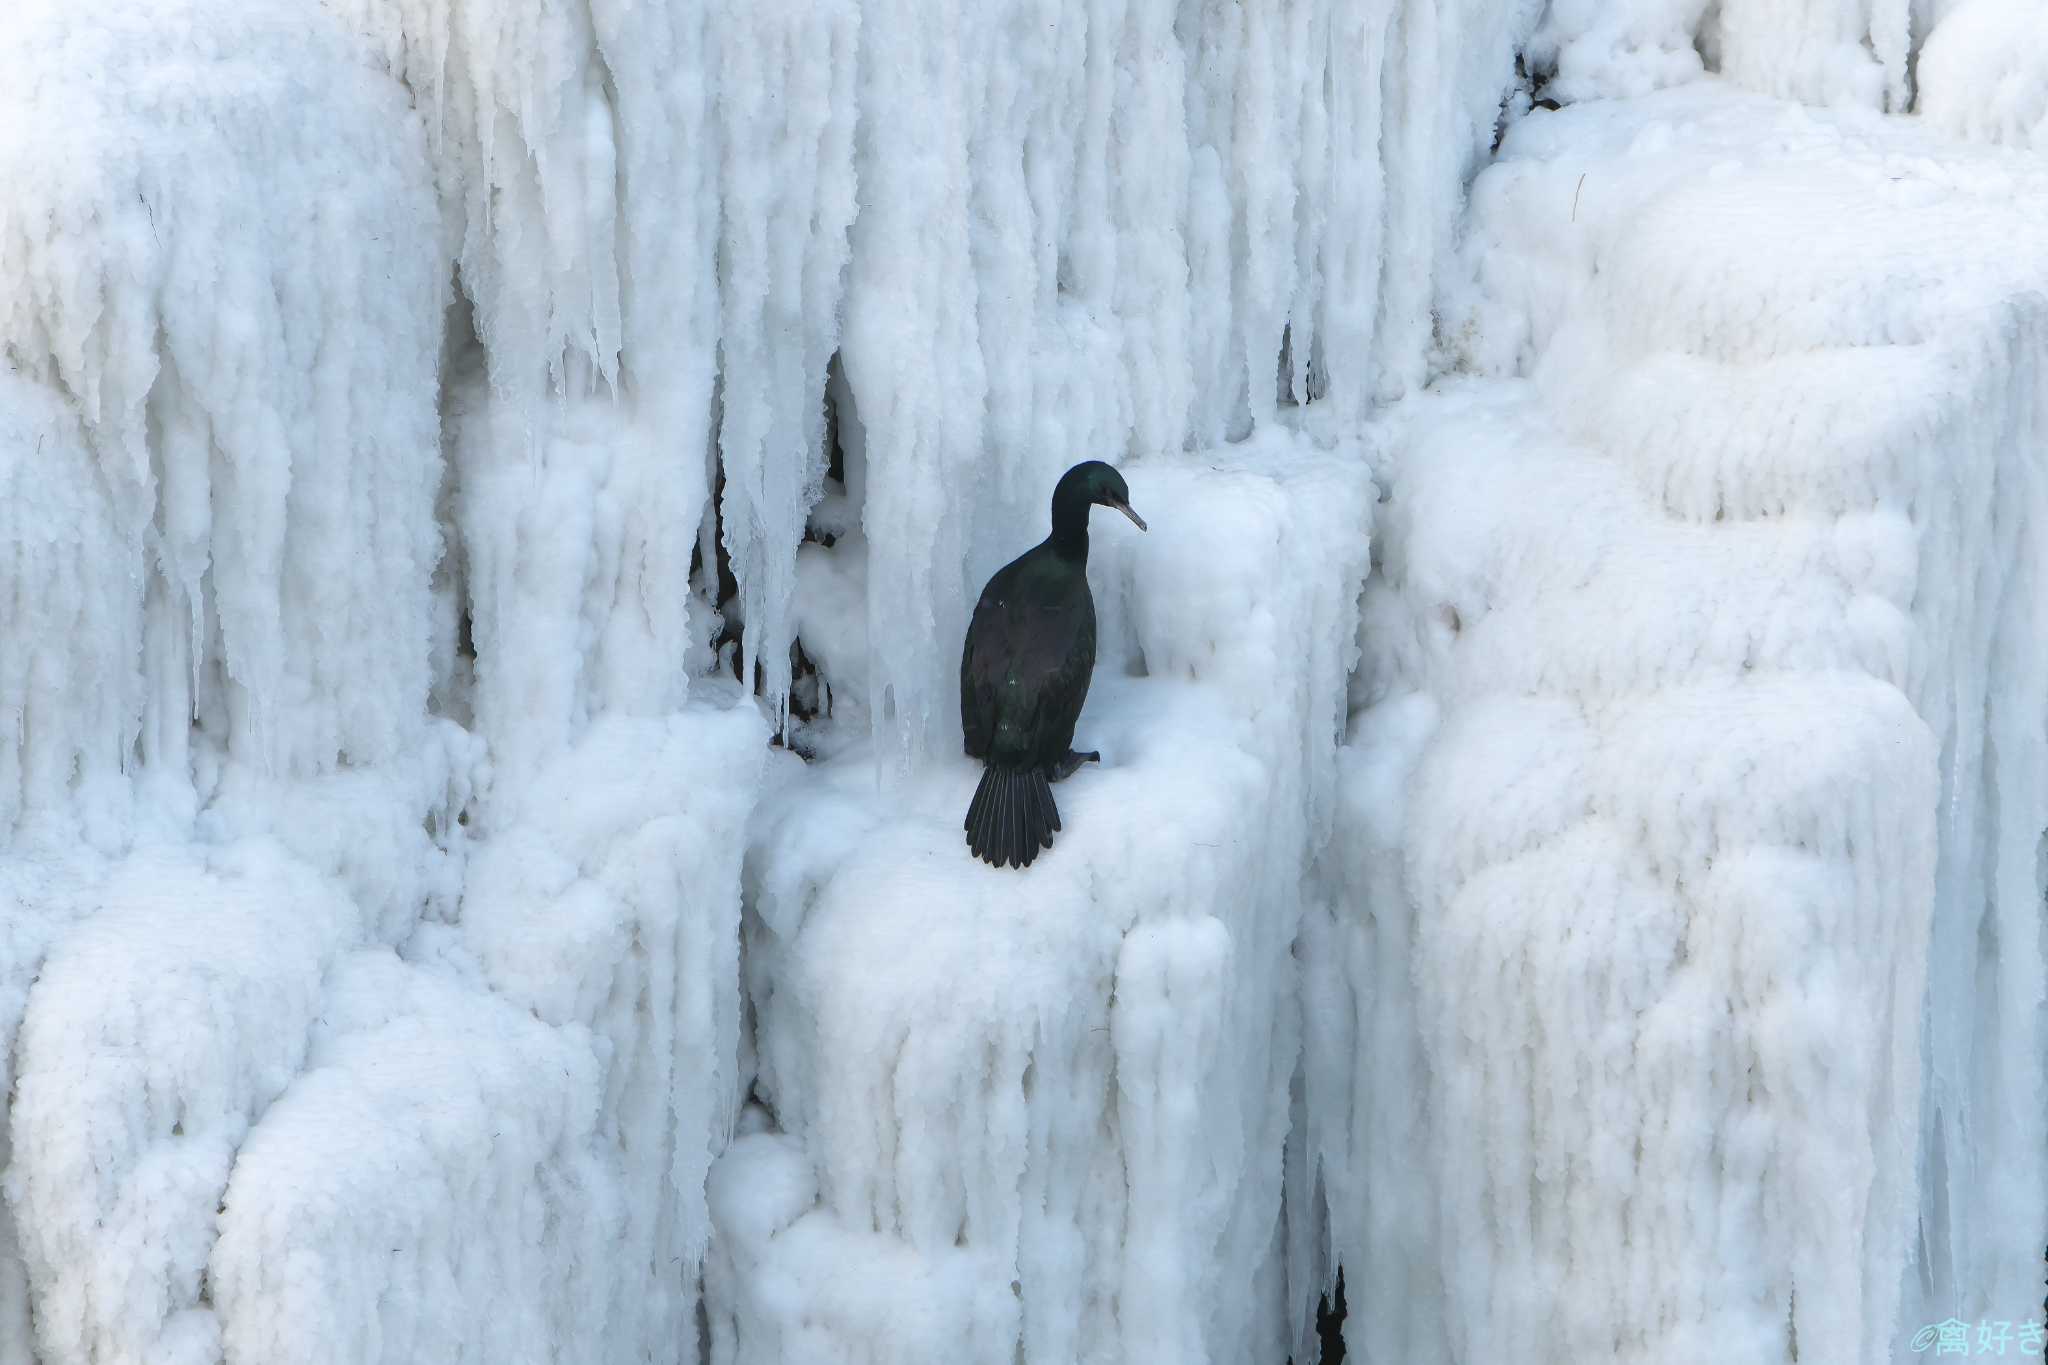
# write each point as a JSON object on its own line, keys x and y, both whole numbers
{"x": 1024, "y": 673}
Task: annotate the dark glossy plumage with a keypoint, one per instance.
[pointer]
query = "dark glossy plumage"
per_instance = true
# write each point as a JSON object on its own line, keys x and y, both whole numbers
{"x": 1024, "y": 674}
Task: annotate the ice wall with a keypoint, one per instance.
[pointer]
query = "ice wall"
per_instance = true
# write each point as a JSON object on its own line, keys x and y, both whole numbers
{"x": 369, "y": 366}
{"x": 579, "y": 200}
{"x": 274, "y": 670}
{"x": 1726, "y": 999}
{"x": 1031, "y": 230}
{"x": 205, "y": 325}
{"x": 1088, "y": 230}
{"x": 387, "y": 382}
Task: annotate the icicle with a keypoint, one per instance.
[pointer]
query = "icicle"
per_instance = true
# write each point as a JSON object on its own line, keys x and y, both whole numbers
{"x": 786, "y": 112}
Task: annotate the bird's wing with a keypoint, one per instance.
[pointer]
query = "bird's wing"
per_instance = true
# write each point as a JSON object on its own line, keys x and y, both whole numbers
{"x": 1039, "y": 693}
{"x": 980, "y": 677}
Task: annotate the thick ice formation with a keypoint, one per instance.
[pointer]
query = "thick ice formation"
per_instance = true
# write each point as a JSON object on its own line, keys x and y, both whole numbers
{"x": 1017, "y": 288}
{"x": 252, "y": 359}
{"x": 578, "y": 185}
{"x": 159, "y": 1030}
{"x": 605, "y": 901}
{"x": 219, "y": 429}
{"x": 789, "y": 199}
{"x": 1984, "y": 73}
{"x": 1053, "y": 1106}
{"x": 69, "y": 684}
{"x": 370, "y": 980}
{"x": 1678, "y": 995}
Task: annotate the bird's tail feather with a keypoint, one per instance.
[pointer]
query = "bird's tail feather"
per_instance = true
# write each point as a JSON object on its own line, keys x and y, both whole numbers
{"x": 1012, "y": 816}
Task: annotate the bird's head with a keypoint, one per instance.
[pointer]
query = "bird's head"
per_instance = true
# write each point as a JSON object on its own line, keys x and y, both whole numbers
{"x": 1093, "y": 483}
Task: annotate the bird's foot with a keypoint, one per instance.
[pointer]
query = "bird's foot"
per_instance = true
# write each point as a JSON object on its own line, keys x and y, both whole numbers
{"x": 1066, "y": 767}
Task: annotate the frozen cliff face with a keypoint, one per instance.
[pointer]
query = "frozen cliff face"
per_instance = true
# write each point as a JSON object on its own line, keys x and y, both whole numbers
{"x": 249, "y": 360}
{"x": 573, "y": 154}
{"x": 417, "y": 413}
{"x": 238, "y": 576}
{"x": 1725, "y": 1012}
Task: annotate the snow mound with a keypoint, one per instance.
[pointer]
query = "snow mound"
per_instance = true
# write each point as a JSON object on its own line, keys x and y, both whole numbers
{"x": 1725, "y": 610}
{"x": 1054, "y": 1102}
{"x": 498, "y": 1144}
{"x": 158, "y": 1032}
{"x": 434, "y": 1187}
{"x": 40, "y": 897}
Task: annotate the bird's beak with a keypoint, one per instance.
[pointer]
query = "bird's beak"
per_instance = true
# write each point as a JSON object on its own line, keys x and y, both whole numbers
{"x": 1125, "y": 508}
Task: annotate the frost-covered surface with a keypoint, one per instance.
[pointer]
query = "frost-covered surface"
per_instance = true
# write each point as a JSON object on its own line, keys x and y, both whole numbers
{"x": 159, "y": 1031}
{"x": 1085, "y": 232}
{"x": 248, "y": 743}
{"x": 1046, "y": 1112}
{"x": 604, "y": 900}
{"x": 434, "y": 1187}
{"x": 1749, "y": 914}
{"x": 373, "y": 799}
{"x": 1983, "y": 73}
{"x": 573, "y": 163}
{"x": 1832, "y": 53}
{"x": 252, "y": 363}
{"x": 952, "y": 201}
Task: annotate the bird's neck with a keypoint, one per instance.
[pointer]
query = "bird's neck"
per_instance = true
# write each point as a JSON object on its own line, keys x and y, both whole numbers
{"x": 1069, "y": 538}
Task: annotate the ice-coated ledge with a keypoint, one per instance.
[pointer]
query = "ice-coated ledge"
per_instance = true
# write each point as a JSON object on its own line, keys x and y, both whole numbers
{"x": 1685, "y": 871}
{"x": 1046, "y": 1107}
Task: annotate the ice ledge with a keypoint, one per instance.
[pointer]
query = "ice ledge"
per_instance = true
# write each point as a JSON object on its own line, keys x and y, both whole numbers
{"x": 1052, "y": 1103}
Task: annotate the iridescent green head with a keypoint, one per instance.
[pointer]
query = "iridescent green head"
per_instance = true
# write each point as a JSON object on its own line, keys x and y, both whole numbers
{"x": 1089, "y": 484}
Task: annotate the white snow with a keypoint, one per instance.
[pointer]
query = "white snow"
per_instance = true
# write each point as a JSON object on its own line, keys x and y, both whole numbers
{"x": 1693, "y": 977}
{"x": 243, "y": 578}
{"x": 158, "y": 1032}
{"x": 69, "y": 684}
{"x": 1983, "y": 73}
{"x": 1615, "y": 936}
{"x": 432, "y": 1188}
{"x": 605, "y": 901}
{"x": 1085, "y": 231}
{"x": 1831, "y": 53}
